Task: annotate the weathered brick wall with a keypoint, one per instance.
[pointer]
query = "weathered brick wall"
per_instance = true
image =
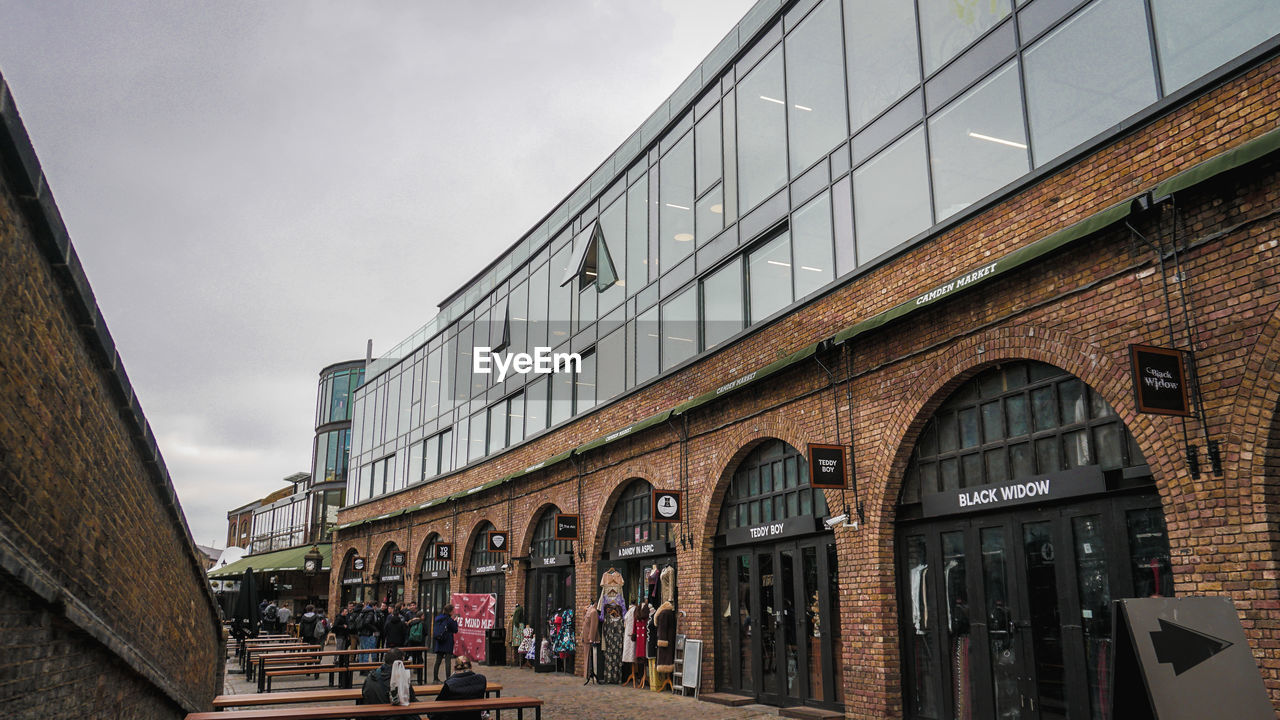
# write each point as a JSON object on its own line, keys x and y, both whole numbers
{"x": 1078, "y": 309}
{"x": 95, "y": 558}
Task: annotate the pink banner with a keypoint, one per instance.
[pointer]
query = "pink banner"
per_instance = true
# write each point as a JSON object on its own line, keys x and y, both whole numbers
{"x": 476, "y": 612}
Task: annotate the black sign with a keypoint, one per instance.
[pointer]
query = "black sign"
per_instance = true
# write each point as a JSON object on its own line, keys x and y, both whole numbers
{"x": 826, "y": 466}
{"x": 1068, "y": 483}
{"x": 433, "y": 574}
{"x": 357, "y": 564}
{"x": 486, "y": 569}
{"x": 1159, "y": 380}
{"x": 552, "y": 561}
{"x": 666, "y": 506}
{"x": 498, "y": 541}
{"x": 645, "y": 549}
{"x": 1183, "y": 658}
{"x": 765, "y": 532}
{"x": 391, "y": 577}
{"x": 566, "y": 527}
{"x": 444, "y": 551}
{"x": 352, "y": 581}
{"x": 397, "y": 558}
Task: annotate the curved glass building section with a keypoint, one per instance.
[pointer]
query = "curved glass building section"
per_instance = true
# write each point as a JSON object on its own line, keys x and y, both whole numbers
{"x": 329, "y": 465}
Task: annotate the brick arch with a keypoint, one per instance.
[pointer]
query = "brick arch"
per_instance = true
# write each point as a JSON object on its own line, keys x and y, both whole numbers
{"x": 1258, "y": 427}
{"x": 727, "y": 454}
{"x": 526, "y": 529}
{"x": 616, "y": 480}
{"x": 382, "y": 553}
{"x": 415, "y": 561}
{"x": 885, "y": 467}
{"x": 464, "y": 559}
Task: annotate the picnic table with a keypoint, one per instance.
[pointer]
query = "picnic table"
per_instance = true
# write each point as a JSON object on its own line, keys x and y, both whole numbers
{"x": 341, "y": 658}
{"x": 338, "y": 712}
{"x": 222, "y": 702}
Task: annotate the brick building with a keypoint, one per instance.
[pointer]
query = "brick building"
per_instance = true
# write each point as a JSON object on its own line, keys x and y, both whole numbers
{"x": 930, "y": 241}
{"x": 240, "y": 524}
{"x": 92, "y": 539}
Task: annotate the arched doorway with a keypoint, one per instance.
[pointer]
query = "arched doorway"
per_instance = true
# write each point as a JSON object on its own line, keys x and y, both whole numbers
{"x": 433, "y": 578}
{"x": 549, "y": 588}
{"x": 390, "y": 576}
{"x": 353, "y": 587}
{"x": 486, "y": 572}
{"x": 1026, "y": 508}
{"x": 777, "y": 612}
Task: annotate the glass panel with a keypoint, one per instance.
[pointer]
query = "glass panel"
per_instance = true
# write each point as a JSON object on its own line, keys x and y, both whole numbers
{"x": 891, "y": 197}
{"x": 708, "y": 147}
{"x": 1000, "y": 628}
{"x": 722, "y": 304}
{"x": 611, "y": 351}
{"x": 724, "y": 621}
{"x": 1071, "y": 394}
{"x": 884, "y": 63}
{"x": 1196, "y": 36}
{"x": 769, "y": 278}
{"x": 646, "y": 345}
{"x": 535, "y": 408}
{"x": 1046, "y": 623}
{"x": 947, "y": 27}
{"x": 637, "y": 274}
{"x": 1048, "y": 458}
{"x": 997, "y": 470}
{"x": 478, "y": 437}
{"x": 968, "y": 421}
{"x": 415, "y": 463}
{"x": 921, "y": 613}
{"x": 762, "y": 125}
{"x": 1149, "y": 553}
{"x": 815, "y": 87}
{"x": 680, "y": 328}
{"x": 431, "y": 458}
{"x": 812, "y": 628}
{"x": 585, "y": 384}
{"x": 515, "y": 417}
{"x": 710, "y": 212}
{"x": 498, "y": 427}
{"x": 561, "y": 396}
{"x": 992, "y": 422}
{"x": 978, "y": 143}
{"x": 676, "y": 213}
{"x": 1087, "y": 75}
{"x": 789, "y": 619}
{"x": 1095, "y": 606}
{"x": 1016, "y": 409}
{"x": 746, "y": 677}
{"x": 959, "y": 643}
{"x": 1109, "y": 445}
{"x": 538, "y": 309}
{"x": 1044, "y": 408}
{"x": 973, "y": 470}
{"x": 1077, "y": 448}
{"x": 769, "y": 614}
{"x": 811, "y": 246}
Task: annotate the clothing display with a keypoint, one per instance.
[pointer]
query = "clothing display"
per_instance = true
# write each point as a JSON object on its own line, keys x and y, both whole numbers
{"x": 668, "y": 584}
{"x": 564, "y": 643}
{"x": 629, "y": 635}
{"x": 611, "y": 636}
{"x": 611, "y": 583}
{"x": 590, "y": 624}
{"x": 651, "y": 636}
{"x": 544, "y": 653}
{"x": 641, "y": 630}
{"x": 518, "y": 626}
{"x": 653, "y": 581}
{"x": 526, "y": 643}
{"x": 665, "y": 620}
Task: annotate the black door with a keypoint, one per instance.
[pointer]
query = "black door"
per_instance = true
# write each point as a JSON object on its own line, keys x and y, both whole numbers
{"x": 551, "y": 591}
{"x": 1008, "y": 616}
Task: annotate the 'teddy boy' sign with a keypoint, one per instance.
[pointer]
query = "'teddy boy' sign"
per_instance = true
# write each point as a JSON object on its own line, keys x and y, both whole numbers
{"x": 1159, "y": 380}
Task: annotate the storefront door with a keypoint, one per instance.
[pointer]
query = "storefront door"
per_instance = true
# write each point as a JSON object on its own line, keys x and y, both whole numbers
{"x": 1008, "y": 615}
{"x": 775, "y": 627}
{"x": 433, "y": 595}
{"x": 551, "y": 592}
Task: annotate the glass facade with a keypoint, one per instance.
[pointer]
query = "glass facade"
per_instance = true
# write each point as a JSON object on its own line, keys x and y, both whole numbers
{"x": 845, "y": 130}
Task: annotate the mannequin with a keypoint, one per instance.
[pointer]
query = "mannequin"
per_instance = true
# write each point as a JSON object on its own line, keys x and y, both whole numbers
{"x": 629, "y": 645}
{"x": 665, "y": 623}
{"x": 640, "y": 629}
{"x": 612, "y": 607}
{"x": 591, "y": 636}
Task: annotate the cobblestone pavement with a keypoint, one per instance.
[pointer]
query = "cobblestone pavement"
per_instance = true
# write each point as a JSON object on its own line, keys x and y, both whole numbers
{"x": 565, "y": 697}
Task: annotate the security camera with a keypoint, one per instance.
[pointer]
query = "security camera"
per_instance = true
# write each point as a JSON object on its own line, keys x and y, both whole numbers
{"x": 835, "y": 521}
{"x": 505, "y": 567}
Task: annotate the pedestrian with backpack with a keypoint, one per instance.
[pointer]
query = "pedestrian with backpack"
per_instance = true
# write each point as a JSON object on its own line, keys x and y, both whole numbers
{"x": 313, "y": 627}
{"x": 443, "y": 628}
{"x": 417, "y": 634}
{"x": 341, "y": 628}
{"x": 366, "y": 625}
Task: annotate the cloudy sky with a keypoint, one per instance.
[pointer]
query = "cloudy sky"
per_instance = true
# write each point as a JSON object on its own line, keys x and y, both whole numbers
{"x": 257, "y": 188}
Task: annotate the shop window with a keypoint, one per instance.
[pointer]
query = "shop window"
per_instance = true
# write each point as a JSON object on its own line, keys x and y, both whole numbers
{"x": 770, "y": 484}
{"x": 480, "y": 554}
{"x": 544, "y": 543}
{"x": 1091, "y": 72}
{"x": 631, "y": 521}
{"x": 1196, "y": 36}
{"x": 816, "y": 115}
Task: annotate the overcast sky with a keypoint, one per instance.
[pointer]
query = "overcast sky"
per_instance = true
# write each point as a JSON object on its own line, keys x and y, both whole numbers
{"x": 257, "y": 188}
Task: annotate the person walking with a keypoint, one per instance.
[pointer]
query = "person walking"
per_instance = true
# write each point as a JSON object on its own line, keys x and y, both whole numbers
{"x": 366, "y": 627}
{"x": 417, "y": 635}
{"x": 395, "y": 633}
{"x": 313, "y": 627}
{"x": 341, "y": 628}
{"x": 283, "y": 615}
{"x": 443, "y": 628}
{"x": 271, "y": 617}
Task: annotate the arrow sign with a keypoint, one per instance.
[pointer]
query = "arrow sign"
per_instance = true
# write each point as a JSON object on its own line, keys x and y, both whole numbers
{"x": 1183, "y": 647}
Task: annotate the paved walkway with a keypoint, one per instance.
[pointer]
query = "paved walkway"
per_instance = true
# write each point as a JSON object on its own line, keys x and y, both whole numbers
{"x": 565, "y": 696}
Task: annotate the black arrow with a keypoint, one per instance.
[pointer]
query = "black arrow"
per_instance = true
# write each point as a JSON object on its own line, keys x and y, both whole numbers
{"x": 1183, "y": 647}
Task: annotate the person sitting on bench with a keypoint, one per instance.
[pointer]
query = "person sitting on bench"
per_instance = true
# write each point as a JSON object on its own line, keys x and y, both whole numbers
{"x": 462, "y": 685}
{"x": 377, "y": 684}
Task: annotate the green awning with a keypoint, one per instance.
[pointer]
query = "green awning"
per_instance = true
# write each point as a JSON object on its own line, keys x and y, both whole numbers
{"x": 427, "y": 504}
{"x": 1244, "y": 154}
{"x": 558, "y": 458}
{"x": 747, "y": 379}
{"x": 479, "y": 488}
{"x": 387, "y": 515}
{"x": 278, "y": 561}
{"x": 353, "y": 523}
{"x": 977, "y": 276}
{"x": 646, "y": 423}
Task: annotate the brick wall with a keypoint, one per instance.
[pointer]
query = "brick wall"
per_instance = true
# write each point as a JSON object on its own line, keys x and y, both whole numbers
{"x": 1078, "y": 309}
{"x": 103, "y": 591}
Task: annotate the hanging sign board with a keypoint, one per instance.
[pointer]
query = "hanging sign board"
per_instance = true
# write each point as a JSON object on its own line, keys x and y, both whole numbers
{"x": 666, "y": 506}
{"x": 640, "y": 550}
{"x": 826, "y": 466}
{"x": 1068, "y": 483}
{"x": 397, "y": 558}
{"x": 444, "y": 551}
{"x": 498, "y": 541}
{"x": 1183, "y": 659}
{"x": 1159, "y": 380}
{"x": 357, "y": 563}
{"x": 566, "y": 527}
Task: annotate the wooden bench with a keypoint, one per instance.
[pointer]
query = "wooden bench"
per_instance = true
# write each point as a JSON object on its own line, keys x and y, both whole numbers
{"x": 316, "y": 696}
{"x": 337, "y": 712}
{"x": 329, "y": 670}
{"x": 339, "y": 655}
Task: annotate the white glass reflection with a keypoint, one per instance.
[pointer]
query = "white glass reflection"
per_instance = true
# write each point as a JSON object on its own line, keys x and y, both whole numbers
{"x": 884, "y": 64}
{"x": 947, "y": 27}
{"x": 891, "y": 197}
{"x": 675, "y": 197}
{"x": 978, "y": 143}
{"x": 680, "y": 328}
{"x": 769, "y": 278}
{"x": 811, "y": 246}
{"x": 762, "y": 132}
{"x": 1090, "y": 73}
{"x": 1196, "y": 36}
{"x": 722, "y": 297}
{"x": 815, "y": 87}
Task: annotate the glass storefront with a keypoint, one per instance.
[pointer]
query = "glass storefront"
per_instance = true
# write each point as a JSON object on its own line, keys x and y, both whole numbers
{"x": 549, "y": 591}
{"x": 389, "y": 577}
{"x": 433, "y": 579}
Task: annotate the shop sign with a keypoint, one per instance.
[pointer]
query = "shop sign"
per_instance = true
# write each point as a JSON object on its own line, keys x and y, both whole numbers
{"x": 648, "y": 549}
{"x": 391, "y": 577}
{"x": 498, "y": 541}
{"x": 433, "y": 574}
{"x": 397, "y": 558}
{"x": 1182, "y": 659}
{"x": 486, "y": 569}
{"x": 357, "y": 564}
{"x": 767, "y": 532}
{"x": 352, "y": 580}
{"x": 666, "y": 506}
{"x": 566, "y": 527}
{"x": 444, "y": 551}
{"x": 826, "y": 466}
{"x": 1159, "y": 380}
{"x": 552, "y": 561}
{"x": 1065, "y": 484}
